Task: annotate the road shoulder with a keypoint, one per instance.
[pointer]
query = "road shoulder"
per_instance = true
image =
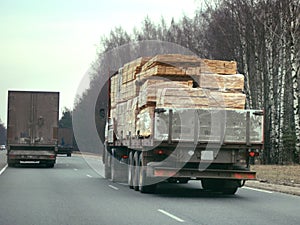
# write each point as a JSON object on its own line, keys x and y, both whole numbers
{"x": 274, "y": 187}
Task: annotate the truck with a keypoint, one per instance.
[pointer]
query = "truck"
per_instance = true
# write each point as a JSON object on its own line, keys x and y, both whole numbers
{"x": 175, "y": 118}
{"x": 65, "y": 141}
{"x": 32, "y": 127}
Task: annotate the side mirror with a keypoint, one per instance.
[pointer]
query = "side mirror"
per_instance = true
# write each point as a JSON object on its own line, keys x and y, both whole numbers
{"x": 102, "y": 114}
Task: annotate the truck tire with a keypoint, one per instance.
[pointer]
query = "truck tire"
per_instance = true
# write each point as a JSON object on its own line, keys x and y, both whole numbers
{"x": 230, "y": 191}
{"x": 10, "y": 164}
{"x": 145, "y": 183}
{"x": 130, "y": 170}
{"x": 69, "y": 155}
{"x": 136, "y": 172}
{"x": 107, "y": 170}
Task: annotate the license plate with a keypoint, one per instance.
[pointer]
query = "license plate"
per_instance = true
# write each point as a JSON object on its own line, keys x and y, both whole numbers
{"x": 207, "y": 155}
{"x": 29, "y": 162}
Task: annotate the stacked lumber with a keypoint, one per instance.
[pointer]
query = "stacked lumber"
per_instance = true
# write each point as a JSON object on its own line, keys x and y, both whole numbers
{"x": 149, "y": 91}
{"x": 175, "y": 60}
{"x": 114, "y": 86}
{"x": 230, "y": 83}
{"x": 129, "y": 90}
{"x": 131, "y": 69}
{"x": 218, "y": 66}
{"x": 126, "y": 114}
{"x": 171, "y": 81}
{"x": 199, "y": 98}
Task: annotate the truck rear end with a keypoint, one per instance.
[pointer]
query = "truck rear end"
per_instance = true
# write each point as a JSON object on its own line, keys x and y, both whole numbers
{"x": 211, "y": 145}
{"x": 65, "y": 141}
{"x": 32, "y": 127}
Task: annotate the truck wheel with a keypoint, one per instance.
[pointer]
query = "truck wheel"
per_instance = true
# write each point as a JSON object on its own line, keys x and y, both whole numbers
{"x": 69, "y": 154}
{"x": 135, "y": 181}
{"x": 10, "y": 164}
{"x": 130, "y": 170}
{"x": 230, "y": 191}
{"x": 145, "y": 184}
{"x": 107, "y": 171}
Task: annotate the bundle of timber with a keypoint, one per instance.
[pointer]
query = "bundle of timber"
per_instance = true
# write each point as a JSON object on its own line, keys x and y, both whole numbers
{"x": 126, "y": 114}
{"x": 144, "y": 122}
{"x": 150, "y": 90}
{"x": 171, "y": 81}
{"x": 199, "y": 98}
{"x": 131, "y": 69}
{"x": 173, "y": 60}
{"x": 229, "y": 83}
{"x": 218, "y": 66}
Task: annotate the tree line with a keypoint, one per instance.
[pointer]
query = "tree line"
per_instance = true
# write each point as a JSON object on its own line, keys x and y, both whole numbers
{"x": 2, "y": 133}
{"x": 261, "y": 35}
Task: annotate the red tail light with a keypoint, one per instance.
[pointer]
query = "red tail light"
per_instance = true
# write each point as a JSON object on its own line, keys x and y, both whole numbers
{"x": 124, "y": 156}
{"x": 253, "y": 154}
{"x": 159, "y": 152}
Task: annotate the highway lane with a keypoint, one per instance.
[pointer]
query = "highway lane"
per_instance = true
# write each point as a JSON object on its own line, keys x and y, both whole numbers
{"x": 74, "y": 192}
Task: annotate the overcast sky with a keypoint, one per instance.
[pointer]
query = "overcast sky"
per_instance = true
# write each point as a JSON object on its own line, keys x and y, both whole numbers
{"x": 48, "y": 45}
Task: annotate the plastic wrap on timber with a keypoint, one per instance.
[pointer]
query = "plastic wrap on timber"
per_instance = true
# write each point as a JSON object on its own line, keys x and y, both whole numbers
{"x": 144, "y": 124}
{"x": 130, "y": 117}
{"x": 120, "y": 118}
{"x": 126, "y": 113}
{"x": 113, "y": 113}
{"x": 199, "y": 98}
{"x": 113, "y": 90}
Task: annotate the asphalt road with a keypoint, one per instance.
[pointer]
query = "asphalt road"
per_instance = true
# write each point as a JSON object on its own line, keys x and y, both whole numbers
{"x": 74, "y": 192}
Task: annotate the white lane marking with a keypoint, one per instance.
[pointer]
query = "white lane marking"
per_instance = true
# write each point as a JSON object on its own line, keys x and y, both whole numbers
{"x": 75, "y": 169}
{"x": 260, "y": 190}
{"x": 170, "y": 215}
{"x": 4, "y": 168}
{"x": 88, "y": 175}
{"x": 113, "y": 187}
